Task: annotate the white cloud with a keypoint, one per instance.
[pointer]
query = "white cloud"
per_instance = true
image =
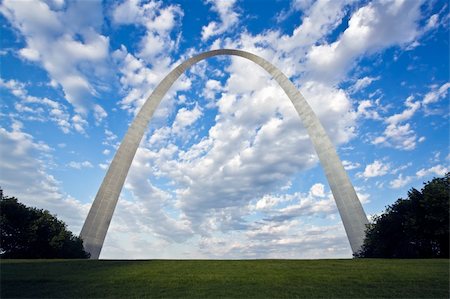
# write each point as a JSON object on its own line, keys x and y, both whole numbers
{"x": 362, "y": 196}
{"x": 289, "y": 206}
{"x": 30, "y": 54}
{"x": 245, "y": 133}
{"x": 432, "y": 23}
{"x": 362, "y": 83}
{"x": 138, "y": 80}
{"x": 23, "y": 165}
{"x": 334, "y": 109}
{"x": 268, "y": 202}
{"x": 152, "y": 205}
{"x": 158, "y": 19}
{"x": 401, "y": 167}
{"x": 367, "y": 109}
{"x": 281, "y": 233}
{"x": 412, "y": 107}
{"x": 438, "y": 170}
{"x": 348, "y": 165}
{"x": 318, "y": 190}
{"x": 65, "y": 43}
{"x": 80, "y": 165}
{"x": 38, "y": 109}
{"x": 152, "y": 46}
{"x": 396, "y": 134}
{"x": 212, "y": 87}
{"x": 99, "y": 113}
{"x": 375, "y": 169}
{"x": 291, "y": 239}
{"x": 228, "y": 18}
{"x": 15, "y": 87}
{"x": 129, "y": 12}
{"x": 376, "y": 26}
{"x": 400, "y": 181}
{"x": 320, "y": 18}
{"x": 186, "y": 118}
{"x": 436, "y": 94}
{"x": 142, "y": 71}
{"x": 110, "y": 139}
{"x": 79, "y": 124}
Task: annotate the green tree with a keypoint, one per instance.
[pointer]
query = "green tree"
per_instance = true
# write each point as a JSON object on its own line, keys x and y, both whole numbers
{"x": 33, "y": 233}
{"x": 416, "y": 227}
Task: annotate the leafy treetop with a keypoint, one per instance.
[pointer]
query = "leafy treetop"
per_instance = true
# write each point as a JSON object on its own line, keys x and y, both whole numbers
{"x": 34, "y": 233}
{"x": 416, "y": 227}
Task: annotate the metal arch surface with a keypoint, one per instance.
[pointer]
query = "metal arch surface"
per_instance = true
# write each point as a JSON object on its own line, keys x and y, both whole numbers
{"x": 350, "y": 209}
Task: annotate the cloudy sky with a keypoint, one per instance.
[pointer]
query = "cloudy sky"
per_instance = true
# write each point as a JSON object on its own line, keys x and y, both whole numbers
{"x": 226, "y": 169}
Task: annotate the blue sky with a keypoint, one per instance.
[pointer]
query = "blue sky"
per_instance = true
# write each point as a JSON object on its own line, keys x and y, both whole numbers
{"x": 226, "y": 169}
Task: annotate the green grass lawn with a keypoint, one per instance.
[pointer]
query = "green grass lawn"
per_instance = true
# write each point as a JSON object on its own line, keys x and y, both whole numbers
{"x": 358, "y": 278}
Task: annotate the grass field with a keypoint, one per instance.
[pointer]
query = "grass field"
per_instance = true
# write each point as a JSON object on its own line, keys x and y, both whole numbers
{"x": 230, "y": 279}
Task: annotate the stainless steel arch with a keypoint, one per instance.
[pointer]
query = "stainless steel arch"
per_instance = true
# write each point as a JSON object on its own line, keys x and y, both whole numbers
{"x": 100, "y": 215}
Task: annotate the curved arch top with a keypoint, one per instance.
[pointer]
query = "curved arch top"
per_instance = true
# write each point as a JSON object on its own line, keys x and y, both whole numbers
{"x": 350, "y": 209}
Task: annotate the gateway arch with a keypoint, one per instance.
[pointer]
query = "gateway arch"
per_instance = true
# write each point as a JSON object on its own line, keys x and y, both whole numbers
{"x": 350, "y": 209}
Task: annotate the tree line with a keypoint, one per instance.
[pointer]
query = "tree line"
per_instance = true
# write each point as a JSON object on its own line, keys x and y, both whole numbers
{"x": 414, "y": 227}
{"x": 32, "y": 233}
